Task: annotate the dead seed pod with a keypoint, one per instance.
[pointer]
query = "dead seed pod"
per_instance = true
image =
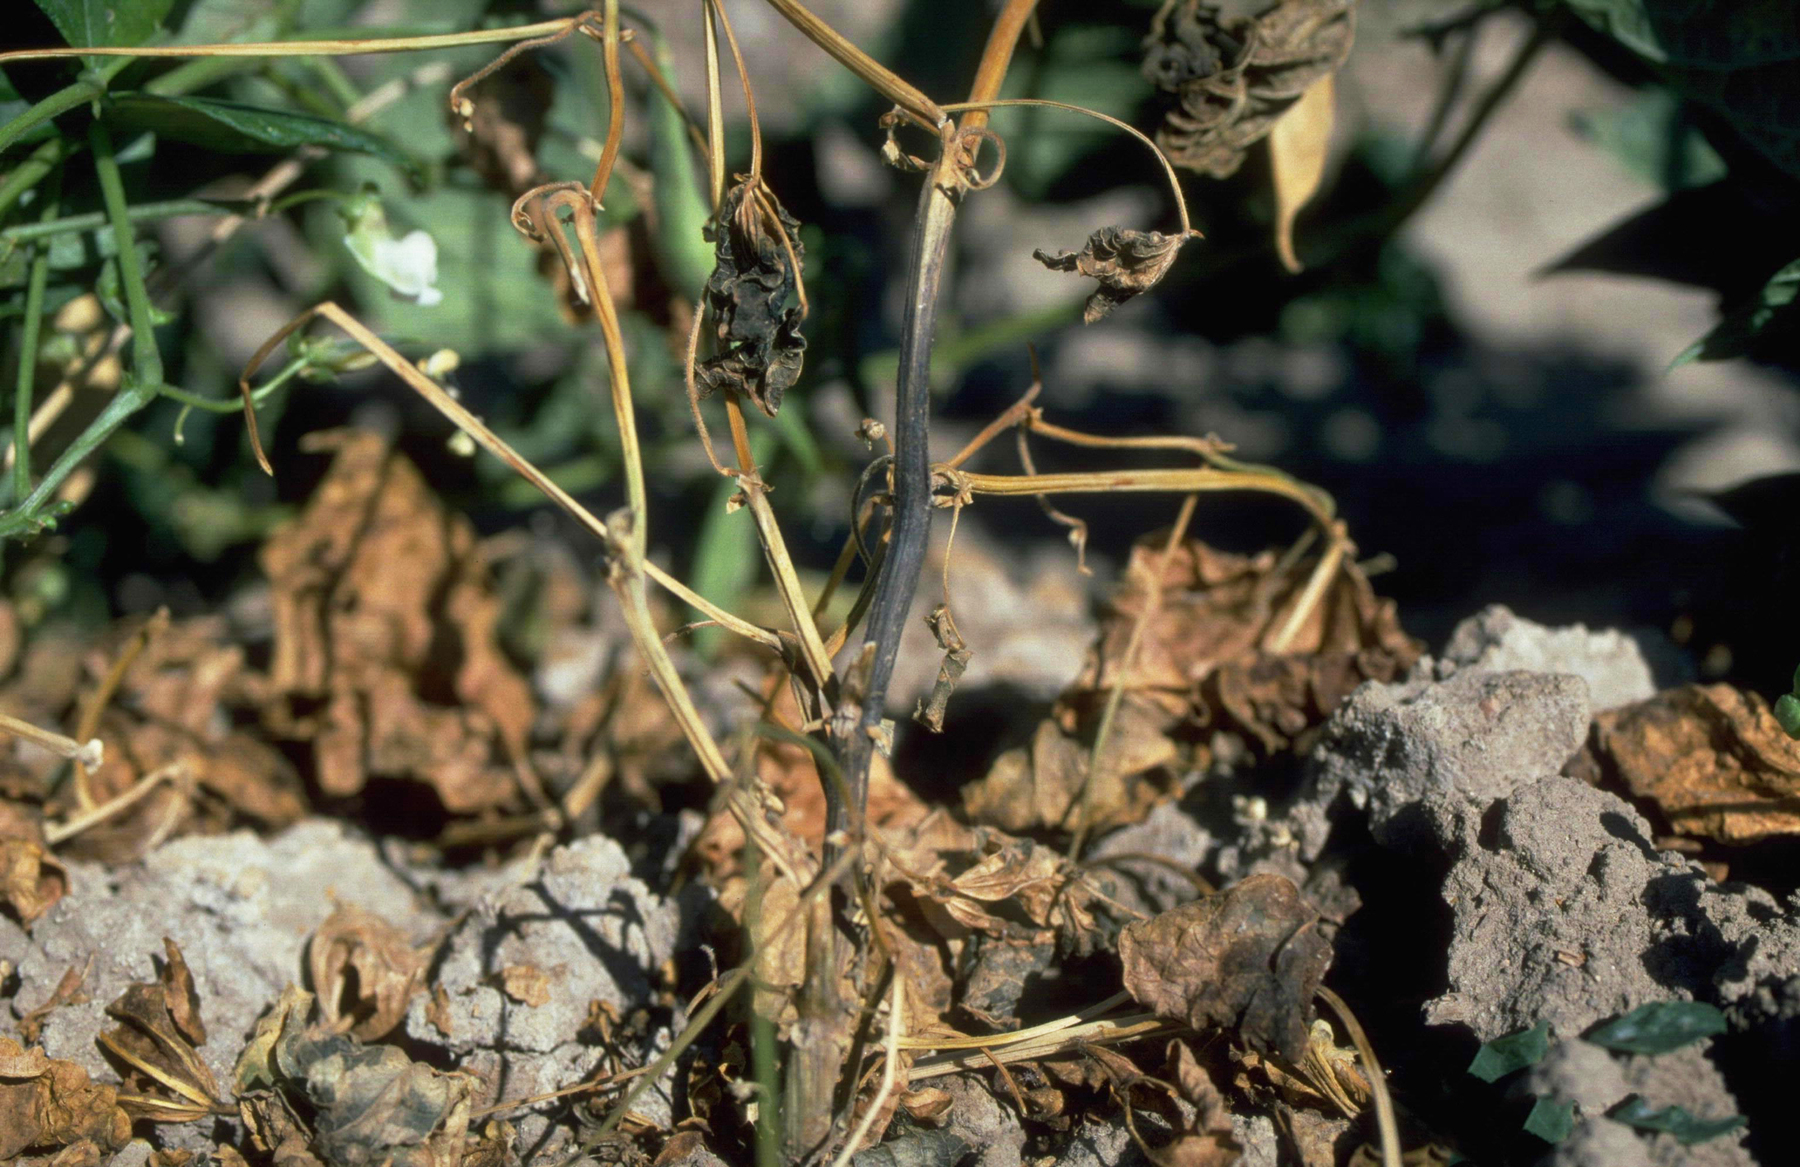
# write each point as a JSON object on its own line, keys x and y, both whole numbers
{"x": 757, "y": 269}
{"x": 1232, "y": 77}
{"x": 1125, "y": 262}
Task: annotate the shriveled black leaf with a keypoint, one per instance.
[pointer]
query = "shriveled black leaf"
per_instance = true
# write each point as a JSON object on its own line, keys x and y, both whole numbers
{"x": 1232, "y": 76}
{"x": 756, "y": 272}
{"x": 1125, "y": 262}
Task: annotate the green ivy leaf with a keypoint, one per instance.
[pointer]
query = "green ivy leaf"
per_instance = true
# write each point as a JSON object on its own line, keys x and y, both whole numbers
{"x": 1659, "y": 1027}
{"x": 1551, "y": 1120}
{"x": 1500, "y": 1057}
{"x": 244, "y": 129}
{"x": 1744, "y": 325}
{"x": 85, "y": 23}
{"x": 1674, "y": 1120}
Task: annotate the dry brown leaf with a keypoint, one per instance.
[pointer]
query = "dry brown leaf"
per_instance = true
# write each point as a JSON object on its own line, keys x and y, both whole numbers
{"x": 526, "y": 983}
{"x": 31, "y": 879}
{"x": 371, "y": 648}
{"x": 928, "y": 1104}
{"x": 1207, "y": 1141}
{"x": 1126, "y": 262}
{"x": 67, "y": 992}
{"x": 1232, "y": 77}
{"x": 1248, "y": 959}
{"x": 1713, "y": 759}
{"x": 46, "y": 1104}
{"x": 1042, "y": 786}
{"x": 1206, "y": 656}
{"x": 437, "y": 1011}
{"x": 365, "y": 972}
{"x": 167, "y": 1080}
{"x": 1297, "y": 149}
{"x": 499, "y": 132}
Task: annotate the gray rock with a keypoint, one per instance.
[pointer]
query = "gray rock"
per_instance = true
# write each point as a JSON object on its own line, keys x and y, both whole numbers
{"x": 592, "y": 933}
{"x": 1102, "y": 1144}
{"x": 1256, "y": 1134}
{"x": 1170, "y": 836}
{"x": 1466, "y": 741}
{"x": 1550, "y": 919}
{"x": 239, "y": 906}
{"x": 978, "y": 1118}
{"x": 1496, "y": 640}
{"x": 1600, "y": 1142}
{"x": 1562, "y": 911}
{"x": 1580, "y": 1072}
{"x": 1688, "y": 1078}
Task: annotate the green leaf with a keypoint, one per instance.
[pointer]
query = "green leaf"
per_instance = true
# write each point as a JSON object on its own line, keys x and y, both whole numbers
{"x": 244, "y": 129}
{"x": 1674, "y": 1120}
{"x": 1500, "y": 1057}
{"x": 1653, "y": 138}
{"x": 1551, "y": 1120}
{"x": 1787, "y": 712}
{"x": 1659, "y": 1027}
{"x": 85, "y": 23}
{"x": 1745, "y": 324}
{"x": 1739, "y": 57}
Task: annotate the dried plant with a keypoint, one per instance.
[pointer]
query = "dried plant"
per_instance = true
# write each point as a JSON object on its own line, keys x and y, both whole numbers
{"x": 818, "y": 917}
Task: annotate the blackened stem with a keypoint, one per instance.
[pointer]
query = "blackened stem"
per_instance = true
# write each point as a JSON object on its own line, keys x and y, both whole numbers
{"x": 910, "y": 525}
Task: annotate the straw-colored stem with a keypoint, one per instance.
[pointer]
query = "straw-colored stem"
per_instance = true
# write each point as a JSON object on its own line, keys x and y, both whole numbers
{"x": 889, "y": 1066}
{"x": 1161, "y": 158}
{"x": 88, "y": 753}
{"x": 996, "y": 58}
{"x": 615, "y": 104}
{"x": 57, "y": 833}
{"x": 1385, "y": 1121}
{"x": 873, "y": 73}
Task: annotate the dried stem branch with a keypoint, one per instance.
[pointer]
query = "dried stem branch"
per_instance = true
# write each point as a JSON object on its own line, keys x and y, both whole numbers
{"x": 876, "y": 75}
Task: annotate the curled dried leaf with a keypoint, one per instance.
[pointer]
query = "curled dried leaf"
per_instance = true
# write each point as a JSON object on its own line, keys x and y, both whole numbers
{"x": 1248, "y": 959}
{"x": 31, "y": 879}
{"x": 758, "y": 259}
{"x": 1125, "y": 262}
{"x": 365, "y": 971}
{"x": 166, "y": 1078}
{"x": 373, "y": 1104}
{"x": 1233, "y": 76}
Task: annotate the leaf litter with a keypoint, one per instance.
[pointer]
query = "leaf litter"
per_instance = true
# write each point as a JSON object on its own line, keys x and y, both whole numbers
{"x": 990, "y": 924}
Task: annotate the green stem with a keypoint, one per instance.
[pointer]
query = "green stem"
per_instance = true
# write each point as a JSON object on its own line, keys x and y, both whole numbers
{"x": 131, "y": 396}
{"x": 82, "y": 91}
{"x": 32, "y": 170}
{"x": 36, "y": 283}
{"x": 146, "y": 359}
{"x": 138, "y": 213}
{"x": 234, "y": 403}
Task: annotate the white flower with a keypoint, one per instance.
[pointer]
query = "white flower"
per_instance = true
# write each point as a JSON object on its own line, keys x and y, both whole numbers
{"x": 408, "y": 265}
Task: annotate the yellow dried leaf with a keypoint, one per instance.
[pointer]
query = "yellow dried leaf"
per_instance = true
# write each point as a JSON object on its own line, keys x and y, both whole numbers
{"x": 1297, "y": 149}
